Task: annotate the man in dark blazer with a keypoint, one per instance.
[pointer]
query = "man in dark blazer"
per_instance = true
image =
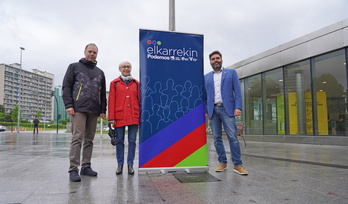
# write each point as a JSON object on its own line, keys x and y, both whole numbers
{"x": 223, "y": 103}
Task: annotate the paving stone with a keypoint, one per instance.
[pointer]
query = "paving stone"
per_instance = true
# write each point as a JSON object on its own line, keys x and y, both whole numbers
{"x": 35, "y": 170}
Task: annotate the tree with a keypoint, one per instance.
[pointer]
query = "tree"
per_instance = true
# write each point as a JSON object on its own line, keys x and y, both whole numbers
{"x": 7, "y": 117}
{"x": 14, "y": 113}
{"x": 64, "y": 121}
{"x": 38, "y": 114}
{"x": 2, "y": 116}
{"x": 2, "y": 109}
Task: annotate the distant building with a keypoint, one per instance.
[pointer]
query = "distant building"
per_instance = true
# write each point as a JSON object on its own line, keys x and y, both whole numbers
{"x": 60, "y": 109}
{"x": 32, "y": 88}
{"x": 297, "y": 91}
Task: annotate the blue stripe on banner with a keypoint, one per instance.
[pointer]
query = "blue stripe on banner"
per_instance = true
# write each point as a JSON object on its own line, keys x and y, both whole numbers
{"x": 171, "y": 134}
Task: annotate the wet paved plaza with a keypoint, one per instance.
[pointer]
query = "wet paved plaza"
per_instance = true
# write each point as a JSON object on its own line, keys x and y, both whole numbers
{"x": 34, "y": 169}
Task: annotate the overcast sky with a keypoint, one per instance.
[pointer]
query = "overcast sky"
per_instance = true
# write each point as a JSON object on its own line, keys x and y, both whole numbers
{"x": 54, "y": 33}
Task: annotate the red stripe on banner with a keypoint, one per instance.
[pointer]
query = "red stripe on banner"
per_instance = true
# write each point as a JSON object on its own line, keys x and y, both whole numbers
{"x": 180, "y": 150}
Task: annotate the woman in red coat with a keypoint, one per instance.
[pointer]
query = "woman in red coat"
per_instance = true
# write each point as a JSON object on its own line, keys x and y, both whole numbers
{"x": 123, "y": 104}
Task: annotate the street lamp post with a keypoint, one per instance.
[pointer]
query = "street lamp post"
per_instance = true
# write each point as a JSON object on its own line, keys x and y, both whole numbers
{"x": 172, "y": 15}
{"x": 20, "y": 91}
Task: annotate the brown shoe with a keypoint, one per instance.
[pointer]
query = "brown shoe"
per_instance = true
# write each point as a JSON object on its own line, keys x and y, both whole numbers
{"x": 240, "y": 170}
{"x": 221, "y": 167}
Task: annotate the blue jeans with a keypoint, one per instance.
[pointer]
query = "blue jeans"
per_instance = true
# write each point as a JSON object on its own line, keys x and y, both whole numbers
{"x": 220, "y": 117}
{"x": 132, "y": 136}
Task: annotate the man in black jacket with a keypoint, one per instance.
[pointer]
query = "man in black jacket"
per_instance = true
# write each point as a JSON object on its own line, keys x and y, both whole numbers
{"x": 84, "y": 95}
{"x": 36, "y": 125}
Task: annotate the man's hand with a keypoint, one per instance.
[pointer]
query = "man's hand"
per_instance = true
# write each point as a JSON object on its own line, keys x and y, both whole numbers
{"x": 206, "y": 116}
{"x": 70, "y": 111}
{"x": 237, "y": 112}
{"x": 102, "y": 115}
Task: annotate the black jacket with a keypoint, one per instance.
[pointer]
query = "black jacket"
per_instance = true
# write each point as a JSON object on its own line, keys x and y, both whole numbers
{"x": 84, "y": 88}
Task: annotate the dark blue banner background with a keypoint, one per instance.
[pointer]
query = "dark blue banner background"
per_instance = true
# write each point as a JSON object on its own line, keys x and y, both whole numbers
{"x": 171, "y": 76}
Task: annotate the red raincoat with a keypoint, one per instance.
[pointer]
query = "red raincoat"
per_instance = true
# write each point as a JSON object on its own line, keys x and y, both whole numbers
{"x": 124, "y": 102}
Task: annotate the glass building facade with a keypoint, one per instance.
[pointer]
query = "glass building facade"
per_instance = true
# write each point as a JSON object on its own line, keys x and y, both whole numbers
{"x": 299, "y": 88}
{"x": 280, "y": 101}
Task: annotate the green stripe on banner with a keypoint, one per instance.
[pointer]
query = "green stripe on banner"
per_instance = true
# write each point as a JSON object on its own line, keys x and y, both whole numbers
{"x": 197, "y": 158}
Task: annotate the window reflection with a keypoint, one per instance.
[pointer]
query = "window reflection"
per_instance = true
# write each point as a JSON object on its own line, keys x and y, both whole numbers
{"x": 274, "y": 122}
{"x": 299, "y": 98}
{"x": 330, "y": 85}
{"x": 253, "y": 109}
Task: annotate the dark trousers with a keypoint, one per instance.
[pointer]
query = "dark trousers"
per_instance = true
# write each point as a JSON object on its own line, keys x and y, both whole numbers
{"x": 36, "y": 127}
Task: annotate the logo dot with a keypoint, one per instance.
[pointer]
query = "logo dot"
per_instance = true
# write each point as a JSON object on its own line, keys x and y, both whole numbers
{"x": 149, "y": 42}
{"x": 159, "y": 42}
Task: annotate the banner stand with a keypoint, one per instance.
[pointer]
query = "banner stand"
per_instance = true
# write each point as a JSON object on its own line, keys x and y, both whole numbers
{"x": 172, "y": 121}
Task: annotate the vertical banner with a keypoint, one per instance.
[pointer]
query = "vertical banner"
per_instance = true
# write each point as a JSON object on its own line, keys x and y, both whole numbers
{"x": 293, "y": 116}
{"x": 172, "y": 130}
{"x": 309, "y": 111}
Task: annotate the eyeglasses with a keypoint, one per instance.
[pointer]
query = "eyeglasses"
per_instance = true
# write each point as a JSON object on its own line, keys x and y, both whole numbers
{"x": 126, "y": 67}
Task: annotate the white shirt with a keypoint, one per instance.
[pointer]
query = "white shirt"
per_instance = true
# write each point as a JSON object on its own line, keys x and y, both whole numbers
{"x": 217, "y": 87}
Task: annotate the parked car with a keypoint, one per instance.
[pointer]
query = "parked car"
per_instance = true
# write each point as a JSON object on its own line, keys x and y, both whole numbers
{"x": 2, "y": 128}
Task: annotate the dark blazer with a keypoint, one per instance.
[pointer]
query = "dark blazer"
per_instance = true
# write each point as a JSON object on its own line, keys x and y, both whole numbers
{"x": 230, "y": 91}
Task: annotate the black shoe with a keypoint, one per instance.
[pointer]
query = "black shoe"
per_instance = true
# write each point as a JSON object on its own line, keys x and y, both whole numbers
{"x": 74, "y": 176}
{"x": 119, "y": 169}
{"x": 88, "y": 171}
{"x": 130, "y": 170}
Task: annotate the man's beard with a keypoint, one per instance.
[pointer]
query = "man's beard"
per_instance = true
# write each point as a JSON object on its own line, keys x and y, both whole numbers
{"x": 217, "y": 67}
